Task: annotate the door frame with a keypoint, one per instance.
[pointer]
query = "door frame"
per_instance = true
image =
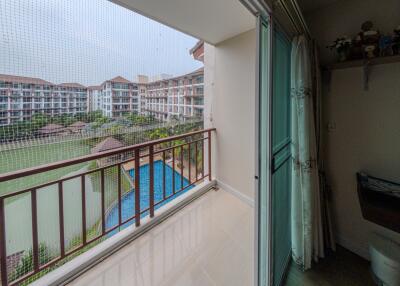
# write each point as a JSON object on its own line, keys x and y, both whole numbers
{"x": 262, "y": 20}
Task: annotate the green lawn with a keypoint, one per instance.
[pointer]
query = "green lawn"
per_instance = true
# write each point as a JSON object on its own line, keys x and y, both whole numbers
{"x": 35, "y": 156}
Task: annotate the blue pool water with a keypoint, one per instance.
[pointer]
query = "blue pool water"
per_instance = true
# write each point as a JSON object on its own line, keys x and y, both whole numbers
{"x": 128, "y": 201}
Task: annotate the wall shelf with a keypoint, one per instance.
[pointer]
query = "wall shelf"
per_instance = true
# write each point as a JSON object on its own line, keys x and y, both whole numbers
{"x": 361, "y": 63}
{"x": 366, "y": 64}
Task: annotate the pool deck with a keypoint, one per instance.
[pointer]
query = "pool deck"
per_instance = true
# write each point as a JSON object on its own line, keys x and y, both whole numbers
{"x": 209, "y": 242}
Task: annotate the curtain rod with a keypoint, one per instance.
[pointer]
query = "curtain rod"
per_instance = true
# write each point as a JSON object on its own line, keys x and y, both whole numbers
{"x": 256, "y": 7}
{"x": 296, "y": 17}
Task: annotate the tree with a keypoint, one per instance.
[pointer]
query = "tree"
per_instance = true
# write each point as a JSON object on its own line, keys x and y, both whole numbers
{"x": 102, "y": 120}
{"x": 39, "y": 120}
{"x": 93, "y": 116}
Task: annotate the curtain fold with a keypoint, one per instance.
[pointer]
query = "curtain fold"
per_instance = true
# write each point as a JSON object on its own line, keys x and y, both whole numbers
{"x": 308, "y": 201}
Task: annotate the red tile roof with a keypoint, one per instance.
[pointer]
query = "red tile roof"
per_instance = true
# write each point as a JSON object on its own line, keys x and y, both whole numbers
{"x": 51, "y": 128}
{"x": 197, "y": 46}
{"x": 94, "y": 87}
{"x": 195, "y": 72}
{"x": 72, "y": 84}
{"x": 78, "y": 124}
{"x": 120, "y": 79}
{"x": 23, "y": 79}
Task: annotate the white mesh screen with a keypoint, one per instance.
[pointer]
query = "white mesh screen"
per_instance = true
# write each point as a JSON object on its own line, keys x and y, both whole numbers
{"x": 73, "y": 74}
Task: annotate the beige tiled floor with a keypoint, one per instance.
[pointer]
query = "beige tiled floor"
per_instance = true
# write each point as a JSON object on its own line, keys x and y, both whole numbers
{"x": 209, "y": 242}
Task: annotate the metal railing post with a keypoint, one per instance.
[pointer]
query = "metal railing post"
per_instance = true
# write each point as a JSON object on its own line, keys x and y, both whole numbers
{"x": 3, "y": 248}
{"x": 209, "y": 156}
{"x": 173, "y": 170}
{"x": 119, "y": 166}
{"x": 151, "y": 186}
{"x": 35, "y": 243}
{"x": 61, "y": 218}
{"x": 190, "y": 165}
{"x": 137, "y": 187}
{"x": 83, "y": 194}
{"x": 103, "y": 207}
{"x": 181, "y": 159}
{"x": 164, "y": 191}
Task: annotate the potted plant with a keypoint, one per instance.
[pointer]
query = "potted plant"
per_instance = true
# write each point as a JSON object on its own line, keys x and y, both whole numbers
{"x": 343, "y": 47}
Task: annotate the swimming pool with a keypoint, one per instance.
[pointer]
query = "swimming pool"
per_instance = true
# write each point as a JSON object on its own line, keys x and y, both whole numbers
{"x": 128, "y": 200}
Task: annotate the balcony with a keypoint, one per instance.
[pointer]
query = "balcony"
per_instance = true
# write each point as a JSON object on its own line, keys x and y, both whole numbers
{"x": 155, "y": 111}
{"x": 108, "y": 203}
{"x": 191, "y": 247}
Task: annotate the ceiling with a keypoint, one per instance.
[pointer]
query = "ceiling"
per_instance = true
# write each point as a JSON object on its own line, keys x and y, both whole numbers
{"x": 210, "y": 20}
{"x": 309, "y": 5}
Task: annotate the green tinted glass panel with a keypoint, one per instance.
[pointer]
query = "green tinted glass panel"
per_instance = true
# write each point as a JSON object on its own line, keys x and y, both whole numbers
{"x": 281, "y": 243}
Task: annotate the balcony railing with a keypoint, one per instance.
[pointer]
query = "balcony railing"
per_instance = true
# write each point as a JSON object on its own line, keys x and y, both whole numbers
{"x": 183, "y": 155}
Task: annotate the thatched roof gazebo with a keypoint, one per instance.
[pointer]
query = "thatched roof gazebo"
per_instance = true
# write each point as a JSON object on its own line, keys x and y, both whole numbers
{"x": 105, "y": 145}
{"x": 51, "y": 129}
{"x": 77, "y": 126}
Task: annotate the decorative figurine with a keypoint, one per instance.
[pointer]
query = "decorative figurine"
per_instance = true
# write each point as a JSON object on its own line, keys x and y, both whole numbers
{"x": 369, "y": 38}
{"x": 385, "y": 46}
{"x": 370, "y": 51}
{"x": 356, "y": 50}
{"x": 367, "y": 44}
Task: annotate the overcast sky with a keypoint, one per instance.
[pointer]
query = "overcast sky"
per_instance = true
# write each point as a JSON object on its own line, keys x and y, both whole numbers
{"x": 87, "y": 41}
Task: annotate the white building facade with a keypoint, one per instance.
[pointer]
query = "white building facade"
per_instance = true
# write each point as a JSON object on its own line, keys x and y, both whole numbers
{"x": 22, "y": 97}
{"x": 176, "y": 98}
{"x": 116, "y": 97}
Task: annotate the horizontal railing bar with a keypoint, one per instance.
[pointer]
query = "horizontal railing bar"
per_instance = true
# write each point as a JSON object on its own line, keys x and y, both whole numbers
{"x": 128, "y": 220}
{"x": 38, "y": 187}
{"x": 169, "y": 148}
{"x": 180, "y": 145}
{"x": 60, "y": 164}
{"x": 166, "y": 198}
{"x": 177, "y": 192}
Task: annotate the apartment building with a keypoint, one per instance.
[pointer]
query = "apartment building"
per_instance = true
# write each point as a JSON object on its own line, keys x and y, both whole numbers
{"x": 118, "y": 97}
{"x": 176, "y": 98}
{"x": 142, "y": 81}
{"x": 22, "y": 97}
{"x": 94, "y": 98}
{"x": 166, "y": 98}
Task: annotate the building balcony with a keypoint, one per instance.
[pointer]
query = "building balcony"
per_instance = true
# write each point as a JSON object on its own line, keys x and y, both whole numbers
{"x": 194, "y": 95}
{"x": 155, "y": 111}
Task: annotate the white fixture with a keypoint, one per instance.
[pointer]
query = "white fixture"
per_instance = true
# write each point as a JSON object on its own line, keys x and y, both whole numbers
{"x": 385, "y": 259}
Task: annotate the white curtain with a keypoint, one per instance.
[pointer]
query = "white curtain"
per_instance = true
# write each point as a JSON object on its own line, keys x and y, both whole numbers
{"x": 306, "y": 226}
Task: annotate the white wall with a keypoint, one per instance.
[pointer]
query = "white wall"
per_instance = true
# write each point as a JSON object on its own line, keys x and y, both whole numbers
{"x": 230, "y": 88}
{"x": 366, "y": 138}
{"x": 367, "y": 133}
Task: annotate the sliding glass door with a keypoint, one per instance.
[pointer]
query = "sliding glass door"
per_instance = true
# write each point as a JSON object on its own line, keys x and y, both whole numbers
{"x": 274, "y": 245}
{"x": 281, "y": 156}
